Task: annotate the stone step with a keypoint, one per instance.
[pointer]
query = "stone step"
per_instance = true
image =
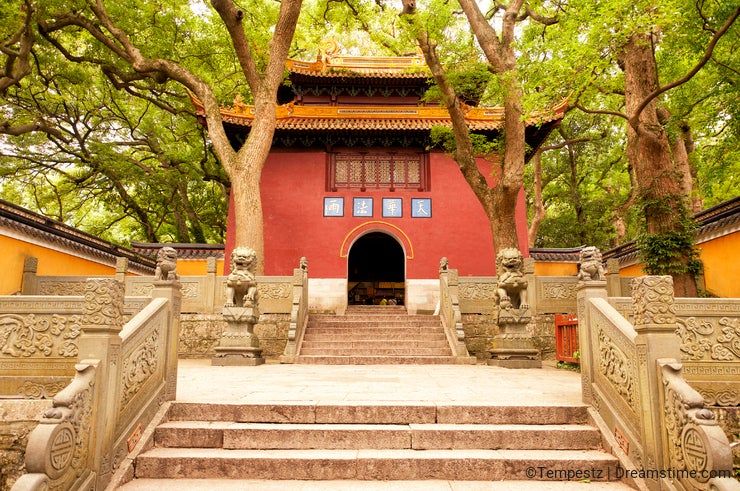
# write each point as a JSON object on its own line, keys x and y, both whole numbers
{"x": 387, "y": 351}
{"x": 421, "y": 333}
{"x": 369, "y": 323}
{"x": 271, "y": 436}
{"x": 331, "y": 343}
{"x": 404, "y": 339}
{"x": 430, "y": 485}
{"x": 376, "y": 308}
{"x": 375, "y": 464}
{"x": 382, "y": 360}
{"x": 359, "y": 412}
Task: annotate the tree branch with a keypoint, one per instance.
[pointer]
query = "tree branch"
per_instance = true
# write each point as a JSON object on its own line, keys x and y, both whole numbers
{"x": 707, "y": 56}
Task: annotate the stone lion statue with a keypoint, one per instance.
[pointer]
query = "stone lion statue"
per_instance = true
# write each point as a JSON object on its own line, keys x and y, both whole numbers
{"x": 591, "y": 267}
{"x": 241, "y": 286}
{"x": 166, "y": 265}
{"x": 511, "y": 291}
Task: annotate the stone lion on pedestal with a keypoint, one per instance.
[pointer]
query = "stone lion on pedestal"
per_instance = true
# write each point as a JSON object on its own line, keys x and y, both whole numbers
{"x": 511, "y": 291}
{"x": 591, "y": 267}
{"x": 166, "y": 265}
{"x": 241, "y": 285}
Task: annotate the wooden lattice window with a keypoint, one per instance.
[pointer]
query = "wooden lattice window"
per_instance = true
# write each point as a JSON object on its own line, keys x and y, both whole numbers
{"x": 379, "y": 170}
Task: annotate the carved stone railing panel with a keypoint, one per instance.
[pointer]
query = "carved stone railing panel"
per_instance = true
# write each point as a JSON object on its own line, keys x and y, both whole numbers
{"x": 142, "y": 358}
{"x": 38, "y": 344}
{"x": 709, "y": 333}
{"x": 555, "y": 294}
{"x": 615, "y": 363}
{"x": 200, "y": 294}
{"x": 477, "y": 295}
{"x": 60, "y": 285}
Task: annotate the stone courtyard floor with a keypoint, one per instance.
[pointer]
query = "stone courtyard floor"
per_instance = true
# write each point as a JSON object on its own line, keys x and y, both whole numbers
{"x": 198, "y": 381}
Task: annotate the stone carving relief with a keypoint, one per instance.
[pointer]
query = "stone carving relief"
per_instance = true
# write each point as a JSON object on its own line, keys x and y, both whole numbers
{"x": 710, "y": 338}
{"x": 35, "y": 390}
{"x": 61, "y": 288}
{"x": 714, "y": 396}
{"x": 241, "y": 285}
{"x": 142, "y": 289}
{"x": 275, "y": 291}
{"x": 695, "y": 440}
{"x": 190, "y": 289}
{"x": 39, "y": 335}
{"x": 138, "y": 367}
{"x": 59, "y": 444}
{"x": 559, "y": 290}
{"x": 103, "y": 308}
{"x": 615, "y": 366}
{"x": 477, "y": 291}
{"x": 653, "y": 301}
{"x": 511, "y": 292}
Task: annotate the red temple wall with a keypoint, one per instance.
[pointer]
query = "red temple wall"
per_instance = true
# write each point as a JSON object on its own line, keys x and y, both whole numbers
{"x": 293, "y": 191}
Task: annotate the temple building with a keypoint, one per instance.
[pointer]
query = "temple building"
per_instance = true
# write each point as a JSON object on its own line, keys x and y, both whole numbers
{"x": 353, "y": 184}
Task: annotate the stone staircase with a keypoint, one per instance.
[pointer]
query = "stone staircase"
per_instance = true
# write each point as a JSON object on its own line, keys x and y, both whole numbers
{"x": 268, "y": 446}
{"x": 371, "y": 335}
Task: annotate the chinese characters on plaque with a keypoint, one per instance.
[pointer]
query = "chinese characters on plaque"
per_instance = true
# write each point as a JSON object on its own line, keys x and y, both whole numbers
{"x": 333, "y": 207}
{"x": 391, "y": 207}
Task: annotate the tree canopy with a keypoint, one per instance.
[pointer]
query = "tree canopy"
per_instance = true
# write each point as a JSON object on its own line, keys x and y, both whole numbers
{"x": 97, "y": 128}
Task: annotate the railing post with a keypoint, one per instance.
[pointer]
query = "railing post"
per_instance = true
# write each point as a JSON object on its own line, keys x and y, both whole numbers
{"x": 585, "y": 291}
{"x": 29, "y": 282}
{"x": 209, "y": 286}
{"x": 449, "y": 309}
{"x": 121, "y": 269}
{"x": 298, "y": 314}
{"x": 655, "y": 324}
{"x": 171, "y": 290}
{"x": 102, "y": 321}
{"x": 613, "y": 283}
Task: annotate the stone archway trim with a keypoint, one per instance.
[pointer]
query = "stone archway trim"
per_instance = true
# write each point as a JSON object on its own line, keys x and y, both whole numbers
{"x": 380, "y": 226}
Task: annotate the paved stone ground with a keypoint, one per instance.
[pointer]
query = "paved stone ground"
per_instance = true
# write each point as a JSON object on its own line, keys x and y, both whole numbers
{"x": 198, "y": 381}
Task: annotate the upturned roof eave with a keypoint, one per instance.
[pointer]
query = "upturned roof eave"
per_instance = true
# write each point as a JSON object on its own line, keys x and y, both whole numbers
{"x": 477, "y": 117}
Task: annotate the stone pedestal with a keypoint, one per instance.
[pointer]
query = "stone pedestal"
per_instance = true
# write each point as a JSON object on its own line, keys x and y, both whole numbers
{"x": 513, "y": 347}
{"x": 239, "y": 345}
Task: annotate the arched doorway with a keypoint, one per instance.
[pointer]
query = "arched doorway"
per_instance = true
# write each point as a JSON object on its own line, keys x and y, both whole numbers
{"x": 376, "y": 270}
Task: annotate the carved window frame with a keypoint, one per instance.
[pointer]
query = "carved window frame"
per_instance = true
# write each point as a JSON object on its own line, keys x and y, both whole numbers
{"x": 393, "y": 170}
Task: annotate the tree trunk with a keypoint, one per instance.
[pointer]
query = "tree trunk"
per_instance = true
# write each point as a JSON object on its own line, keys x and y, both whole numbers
{"x": 649, "y": 151}
{"x": 538, "y": 206}
{"x": 245, "y": 181}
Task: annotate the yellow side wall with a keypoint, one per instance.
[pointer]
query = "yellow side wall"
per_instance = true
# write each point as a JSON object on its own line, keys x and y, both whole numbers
{"x": 634, "y": 270}
{"x": 555, "y": 269}
{"x": 197, "y": 267}
{"x": 722, "y": 265}
{"x": 51, "y": 263}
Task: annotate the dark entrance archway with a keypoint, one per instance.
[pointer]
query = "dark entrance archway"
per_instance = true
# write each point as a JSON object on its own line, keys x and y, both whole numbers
{"x": 376, "y": 270}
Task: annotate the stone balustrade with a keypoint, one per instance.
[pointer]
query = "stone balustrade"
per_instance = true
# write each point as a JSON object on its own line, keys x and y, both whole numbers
{"x": 632, "y": 375}
{"x": 125, "y": 367}
{"x": 449, "y": 311}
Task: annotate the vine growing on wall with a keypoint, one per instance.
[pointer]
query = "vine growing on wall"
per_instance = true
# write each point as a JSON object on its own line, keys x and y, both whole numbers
{"x": 671, "y": 252}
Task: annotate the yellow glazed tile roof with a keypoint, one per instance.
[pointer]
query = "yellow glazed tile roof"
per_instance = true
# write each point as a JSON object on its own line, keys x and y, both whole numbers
{"x": 355, "y": 117}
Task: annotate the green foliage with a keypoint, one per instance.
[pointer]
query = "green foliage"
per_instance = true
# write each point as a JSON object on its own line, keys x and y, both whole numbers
{"x": 117, "y": 166}
{"x": 670, "y": 252}
{"x": 443, "y": 137}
